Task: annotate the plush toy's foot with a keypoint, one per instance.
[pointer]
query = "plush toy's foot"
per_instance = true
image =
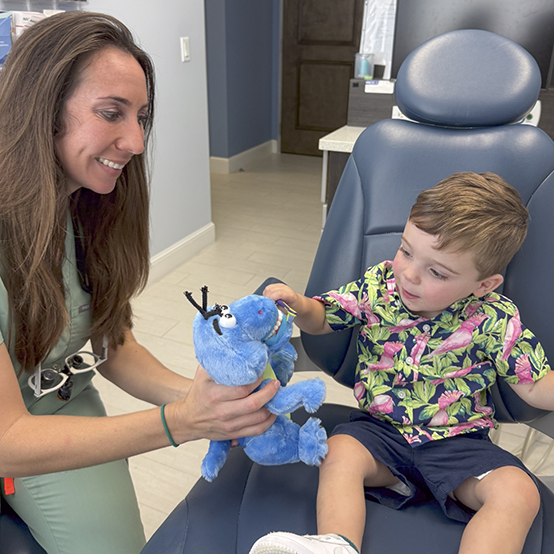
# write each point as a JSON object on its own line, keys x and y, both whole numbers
{"x": 312, "y": 442}
{"x": 214, "y": 459}
{"x": 314, "y": 395}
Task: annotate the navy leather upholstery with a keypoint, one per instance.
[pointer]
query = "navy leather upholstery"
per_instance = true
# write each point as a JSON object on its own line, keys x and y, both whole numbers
{"x": 15, "y": 537}
{"x": 484, "y": 87}
{"x": 443, "y": 83}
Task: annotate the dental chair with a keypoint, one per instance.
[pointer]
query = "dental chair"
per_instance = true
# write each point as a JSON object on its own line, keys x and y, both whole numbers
{"x": 465, "y": 95}
{"x": 15, "y": 537}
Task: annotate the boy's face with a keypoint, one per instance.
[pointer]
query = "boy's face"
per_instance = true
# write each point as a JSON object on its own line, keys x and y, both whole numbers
{"x": 429, "y": 280}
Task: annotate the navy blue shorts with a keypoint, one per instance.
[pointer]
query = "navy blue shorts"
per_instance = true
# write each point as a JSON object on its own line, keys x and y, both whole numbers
{"x": 431, "y": 470}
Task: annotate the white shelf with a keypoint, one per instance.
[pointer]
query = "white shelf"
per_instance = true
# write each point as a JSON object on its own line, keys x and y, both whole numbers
{"x": 341, "y": 140}
{"x": 39, "y": 5}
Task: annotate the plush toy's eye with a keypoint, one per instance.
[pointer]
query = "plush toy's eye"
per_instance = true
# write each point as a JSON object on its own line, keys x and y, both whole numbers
{"x": 227, "y": 320}
{"x": 224, "y": 308}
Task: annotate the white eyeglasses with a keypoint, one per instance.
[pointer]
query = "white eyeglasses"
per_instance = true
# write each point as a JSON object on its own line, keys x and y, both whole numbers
{"x": 58, "y": 378}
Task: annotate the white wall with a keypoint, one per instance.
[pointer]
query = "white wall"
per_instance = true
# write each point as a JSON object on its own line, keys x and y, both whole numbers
{"x": 181, "y": 212}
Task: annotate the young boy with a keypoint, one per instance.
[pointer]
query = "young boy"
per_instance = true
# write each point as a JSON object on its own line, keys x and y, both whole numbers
{"x": 434, "y": 338}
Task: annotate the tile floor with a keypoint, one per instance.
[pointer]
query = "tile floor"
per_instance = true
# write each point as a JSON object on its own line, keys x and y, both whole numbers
{"x": 268, "y": 223}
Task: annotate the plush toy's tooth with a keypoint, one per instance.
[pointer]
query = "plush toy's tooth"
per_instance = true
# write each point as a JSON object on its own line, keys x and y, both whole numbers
{"x": 277, "y": 325}
{"x": 278, "y": 322}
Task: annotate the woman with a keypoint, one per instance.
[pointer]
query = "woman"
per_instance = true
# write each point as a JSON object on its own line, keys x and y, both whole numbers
{"x": 77, "y": 98}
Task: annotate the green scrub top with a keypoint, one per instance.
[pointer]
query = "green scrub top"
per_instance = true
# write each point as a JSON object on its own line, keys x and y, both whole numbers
{"x": 72, "y": 340}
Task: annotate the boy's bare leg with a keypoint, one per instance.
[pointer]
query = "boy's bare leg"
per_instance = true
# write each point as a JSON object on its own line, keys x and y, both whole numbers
{"x": 506, "y": 501}
{"x": 347, "y": 468}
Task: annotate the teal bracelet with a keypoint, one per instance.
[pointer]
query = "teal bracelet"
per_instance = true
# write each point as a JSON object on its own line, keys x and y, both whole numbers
{"x": 173, "y": 443}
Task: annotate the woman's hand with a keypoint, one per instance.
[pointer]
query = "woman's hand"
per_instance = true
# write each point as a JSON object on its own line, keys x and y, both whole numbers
{"x": 218, "y": 412}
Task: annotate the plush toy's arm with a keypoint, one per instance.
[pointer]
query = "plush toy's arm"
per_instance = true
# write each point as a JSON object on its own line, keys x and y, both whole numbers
{"x": 309, "y": 393}
{"x": 282, "y": 363}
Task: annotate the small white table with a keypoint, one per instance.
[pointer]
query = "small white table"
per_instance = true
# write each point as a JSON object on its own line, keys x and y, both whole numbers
{"x": 337, "y": 147}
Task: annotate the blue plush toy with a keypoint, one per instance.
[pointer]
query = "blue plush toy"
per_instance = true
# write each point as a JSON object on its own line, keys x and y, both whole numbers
{"x": 234, "y": 344}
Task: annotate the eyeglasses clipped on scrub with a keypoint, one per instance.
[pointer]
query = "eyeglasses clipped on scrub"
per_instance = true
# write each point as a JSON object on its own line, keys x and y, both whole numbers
{"x": 58, "y": 378}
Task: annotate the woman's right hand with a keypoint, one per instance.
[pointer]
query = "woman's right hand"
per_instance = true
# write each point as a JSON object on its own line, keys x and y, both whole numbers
{"x": 219, "y": 412}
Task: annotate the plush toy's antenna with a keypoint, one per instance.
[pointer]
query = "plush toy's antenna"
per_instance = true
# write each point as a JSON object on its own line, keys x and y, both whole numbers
{"x": 194, "y": 303}
{"x": 203, "y": 309}
{"x": 204, "y": 290}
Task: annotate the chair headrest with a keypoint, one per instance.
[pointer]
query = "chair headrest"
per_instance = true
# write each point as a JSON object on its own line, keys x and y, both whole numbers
{"x": 468, "y": 78}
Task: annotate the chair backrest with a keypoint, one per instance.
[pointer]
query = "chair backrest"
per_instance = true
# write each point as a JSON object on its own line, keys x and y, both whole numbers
{"x": 466, "y": 92}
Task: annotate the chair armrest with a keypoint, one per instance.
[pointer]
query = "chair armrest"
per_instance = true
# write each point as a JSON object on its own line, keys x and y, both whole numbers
{"x": 544, "y": 424}
{"x": 303, "y": 363}
{"x": 268, "y": 281}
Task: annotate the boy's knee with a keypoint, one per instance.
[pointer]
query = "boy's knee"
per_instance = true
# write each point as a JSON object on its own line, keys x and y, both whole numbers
{"x": 346, "y": 452}
{"x": 514, "y": 486}
{"x": 340, "y": 448}
{"x": 348, "y": 455}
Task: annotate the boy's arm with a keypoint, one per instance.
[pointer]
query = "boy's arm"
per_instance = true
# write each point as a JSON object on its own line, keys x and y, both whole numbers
{"x": 310, "y": 313}
{"x": 539, "y": 394}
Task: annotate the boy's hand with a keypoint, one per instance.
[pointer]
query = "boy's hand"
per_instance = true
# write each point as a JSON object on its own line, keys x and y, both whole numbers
{"x": 280, "y": 291}
{"x": 310, "y": 313}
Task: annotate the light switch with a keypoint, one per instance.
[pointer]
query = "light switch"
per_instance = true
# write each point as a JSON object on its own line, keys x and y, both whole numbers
{"x": 185, "y": 49}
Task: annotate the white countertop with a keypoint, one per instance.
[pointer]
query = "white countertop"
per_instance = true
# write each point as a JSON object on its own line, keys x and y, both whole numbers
{"x": 341, "y": 140}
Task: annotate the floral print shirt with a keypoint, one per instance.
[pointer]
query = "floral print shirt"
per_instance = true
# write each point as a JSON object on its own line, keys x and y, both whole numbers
{"x": 430, "y": 378}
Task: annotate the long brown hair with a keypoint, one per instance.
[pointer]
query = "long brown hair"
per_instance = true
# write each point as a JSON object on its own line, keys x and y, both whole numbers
{"x": 40, "y": 74}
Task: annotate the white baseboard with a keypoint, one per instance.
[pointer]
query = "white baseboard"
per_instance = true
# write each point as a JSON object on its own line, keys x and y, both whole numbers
{"x": 229, "y": 165}
{"x": 219, "y": 165}
{"x": 171, "y": 258}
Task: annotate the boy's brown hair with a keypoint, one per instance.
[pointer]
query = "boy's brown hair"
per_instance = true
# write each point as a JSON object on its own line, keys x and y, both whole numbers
{"x": 474, "y": 212}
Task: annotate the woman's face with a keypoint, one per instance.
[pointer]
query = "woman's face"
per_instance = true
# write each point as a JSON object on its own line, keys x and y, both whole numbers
{"x": 103, "y": 121}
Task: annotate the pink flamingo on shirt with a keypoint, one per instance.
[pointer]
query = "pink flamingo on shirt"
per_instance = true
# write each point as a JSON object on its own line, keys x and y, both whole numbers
{"x": 417, "y": 351}
{"x": 487, "y": 410}
{"x": 523, "y": 369}
{"x": 391, "y": 287}
{"x": 460, "y": 338}
{"x": 419, "y": 347}
{"x": 461, "y": 427}
{"x": 365, "y": 308}
{"x": 471, "y": 309}
{"x": 387, "y": 359}
{"x": 455, "y": 374}
{"x": 359, "y": 391}
{"x": 405, "y": 324}
{"x": 439, "y": 419}
{"x": 382, "y": 404}
{"x": 449, "y": 397}
{"x": 349, "y": 302}
{"x": 399, "y": 380}
{"x": 513, "y": 332}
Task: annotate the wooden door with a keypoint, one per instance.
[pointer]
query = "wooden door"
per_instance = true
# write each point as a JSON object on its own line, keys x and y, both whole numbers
{"x": 320, "y": 40}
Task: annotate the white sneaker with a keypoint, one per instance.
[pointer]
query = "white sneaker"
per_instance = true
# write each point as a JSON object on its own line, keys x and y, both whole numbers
{"x": 289, "y": 543}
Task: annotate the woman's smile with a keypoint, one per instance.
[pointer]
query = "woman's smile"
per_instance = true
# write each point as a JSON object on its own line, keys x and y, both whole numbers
{"x": 111, "y": 164}
{"x": 103, "y": 122}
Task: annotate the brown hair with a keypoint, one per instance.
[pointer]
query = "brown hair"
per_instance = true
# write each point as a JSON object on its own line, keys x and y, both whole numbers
{"x": 40, "y": 74}
{"x": 473, "y": 212}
